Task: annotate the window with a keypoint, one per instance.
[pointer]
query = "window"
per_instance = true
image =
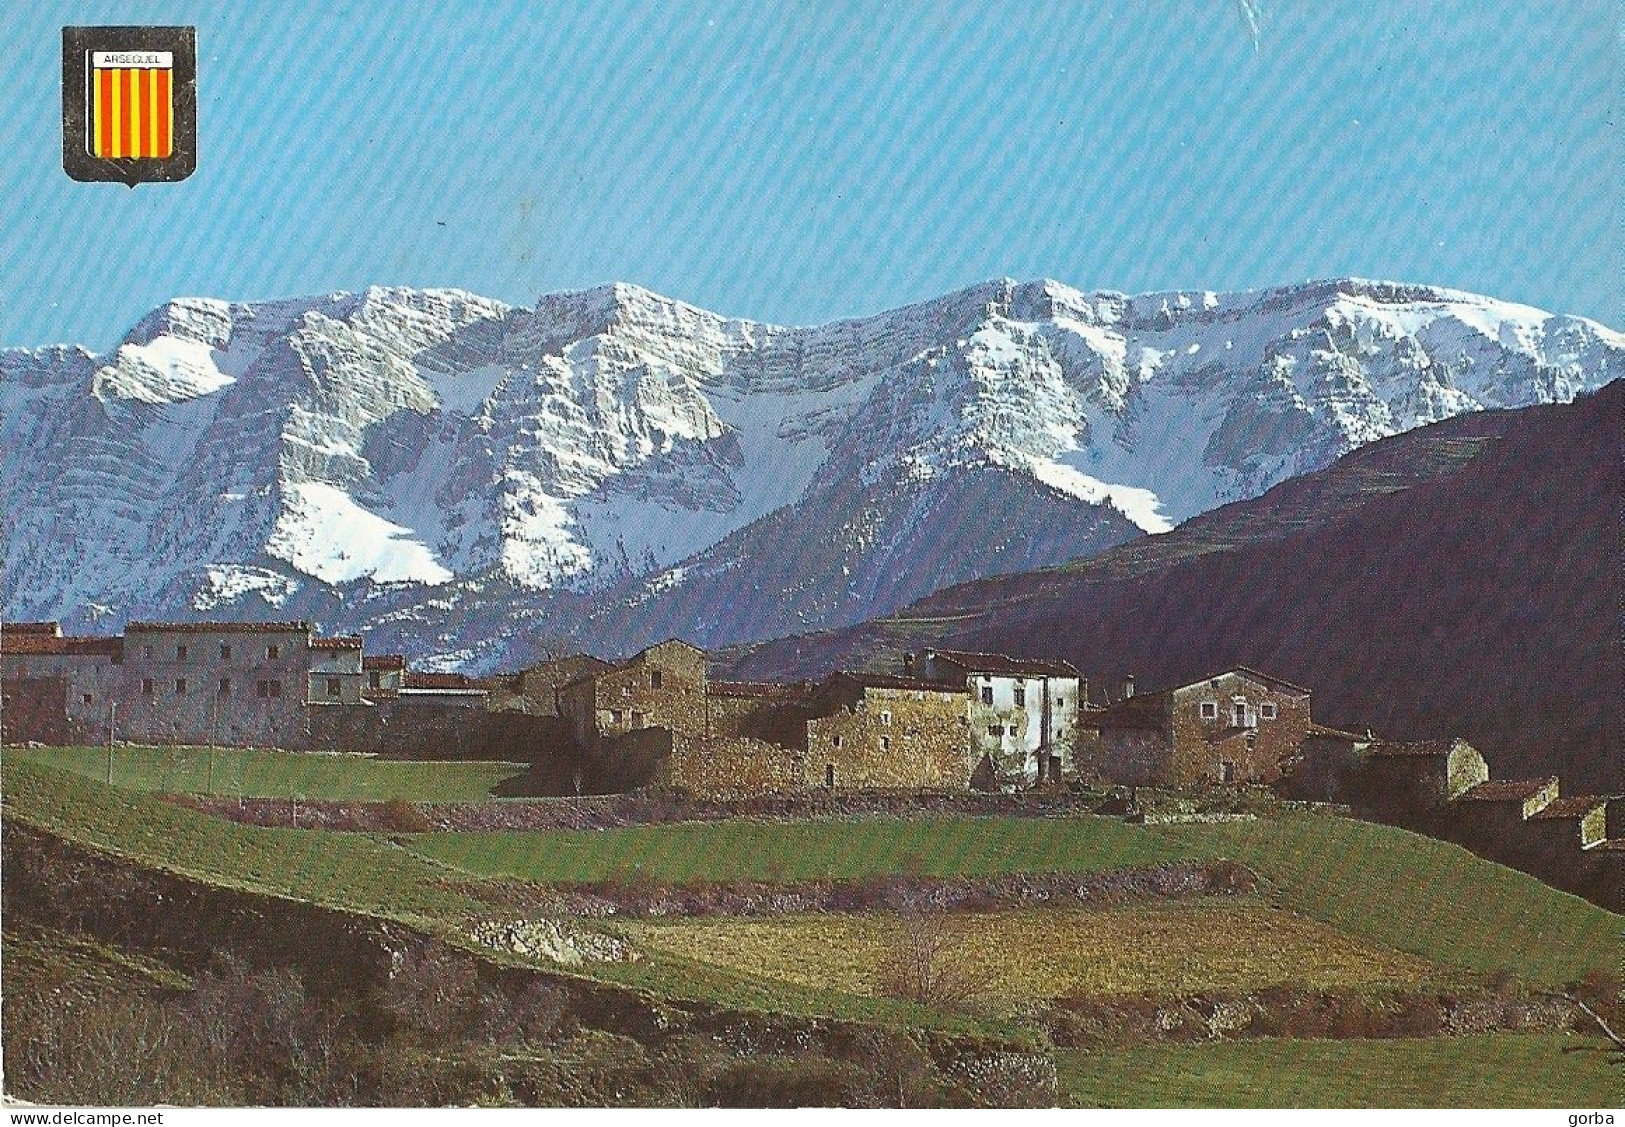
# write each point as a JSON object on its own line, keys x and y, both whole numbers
{"x": 225, "y": 686}
{"x": 373, "y": 679}
{"x": 885, "y": 719}
{"x": 626, "y": 690}
{"x": 262, "y": 689}
{"x": 1021, "y": 696}
{"x": 616, "y": 716}
{"x": 146, "y": 686}
{"x": 829, "y": 775}
{"x": 180, "y": 653}
{"x": 995, "y": 729}
{"x": 87, "y": 699}
{"x": 276, "y": 688}
{"x": 272, "y": 652}
{"x": 1210, "y": 710}
{"x": 1227, "y": 772}
{"x": 885, "y": 743}
{"x": 654, "y": 678}
{"x": 1267, "y": 710}
{"x": 1241, "y": 714}
{"x": 180, "y": 686}
{"x": 637, "y": 719}
{"x": 987, "y": 694}
{"x": 837, "y": 743}
{"x": 335, "y": 686}
{"x": 225, "y": 652}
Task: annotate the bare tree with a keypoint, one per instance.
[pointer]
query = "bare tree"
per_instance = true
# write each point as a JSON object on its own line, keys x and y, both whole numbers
{"x": 932, "y": 962}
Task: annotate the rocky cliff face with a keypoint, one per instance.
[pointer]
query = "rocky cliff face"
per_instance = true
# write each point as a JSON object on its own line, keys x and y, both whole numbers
{"x": 472, "y": 482}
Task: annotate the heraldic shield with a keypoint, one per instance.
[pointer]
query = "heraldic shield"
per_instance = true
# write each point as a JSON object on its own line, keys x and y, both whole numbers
{"x": 129, "y": 103}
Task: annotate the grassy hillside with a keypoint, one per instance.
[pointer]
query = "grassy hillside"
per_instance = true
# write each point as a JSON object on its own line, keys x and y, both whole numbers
{"x": 1460, "y": 579}
{"x": 1384, "y": 885}
{"x": 255, "y": 773}
{"x": 1490, "y": 1071}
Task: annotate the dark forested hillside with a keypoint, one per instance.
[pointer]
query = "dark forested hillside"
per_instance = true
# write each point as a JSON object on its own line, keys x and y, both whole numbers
{"x": 1464, "y": 578}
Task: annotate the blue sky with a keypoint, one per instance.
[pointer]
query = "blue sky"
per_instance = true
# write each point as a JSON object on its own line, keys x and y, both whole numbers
{"x": 805, "y": 161}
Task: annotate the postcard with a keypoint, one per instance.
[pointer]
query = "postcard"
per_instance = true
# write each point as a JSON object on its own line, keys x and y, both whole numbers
{"x": 859, "y": 555}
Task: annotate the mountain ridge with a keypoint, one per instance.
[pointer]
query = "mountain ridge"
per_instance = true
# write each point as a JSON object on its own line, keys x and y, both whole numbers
{"x": 476, "y": 482}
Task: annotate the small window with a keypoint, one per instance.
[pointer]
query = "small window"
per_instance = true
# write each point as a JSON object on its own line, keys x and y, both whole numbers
{"x": 276, "y": 688}
{"x": 373, "y": 679}
{"x": 1267, "y": 710}
{"x": 987, "y": 694}
{"x": 225, "y": 686}
{"x": 616, "y": 716}
{"x": 180, "y": 686}
{"x": 885, "y": 719}
{"x": 1210, "y": 710}
{"x": 180, "y": 653}
{"x": 1227, "y": 772}
{"x": 654, "y": 678}
{"x": 146, "y": 686}
{"x": 836, "y": 742}
{"x": 272, "y": 652}
{"x": 829, "y": 775}
{"x": 885, "y": 743}
{"x": 1241, "y": 714}
{"x": 1021, "y": 696}
{"x": 626, "y": 690}
{"x": 335, "y": 686}
{"x": 995, "y": 729}
{"x": 87, "y": 699}
{"x": 262, "y": 689}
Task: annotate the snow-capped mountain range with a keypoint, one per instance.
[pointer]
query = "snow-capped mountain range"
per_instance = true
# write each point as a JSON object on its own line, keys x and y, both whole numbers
{"x": 474, "y": 482}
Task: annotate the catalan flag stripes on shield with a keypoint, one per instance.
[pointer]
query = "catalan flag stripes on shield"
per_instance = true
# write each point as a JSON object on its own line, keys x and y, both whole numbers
{"x": 131, "y": 113}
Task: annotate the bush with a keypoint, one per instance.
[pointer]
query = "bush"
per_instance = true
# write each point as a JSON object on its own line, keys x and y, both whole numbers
{"x": 400, "y": 816}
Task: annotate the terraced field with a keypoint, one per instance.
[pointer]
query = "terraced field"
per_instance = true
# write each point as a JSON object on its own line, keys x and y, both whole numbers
{"x": 255, "y": 773}
{"x": 1383, "y": 886}
{"x": 1046, "y": 953}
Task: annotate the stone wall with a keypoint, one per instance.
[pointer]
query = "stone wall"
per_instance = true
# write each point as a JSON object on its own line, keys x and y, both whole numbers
{"x": 1134, "y": 756}
{"x": 731, "y": 767}
{"x": 407, "y": 729}
{"x": 883, "y": 737}
{"x": 35, "y": 710}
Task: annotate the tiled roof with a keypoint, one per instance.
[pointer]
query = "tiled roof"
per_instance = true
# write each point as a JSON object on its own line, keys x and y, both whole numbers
{"x": 1005, "y": 666}
{"x": 54, "y": 645}
{"x": 887, "y": 681}
{"x": 1508, "y": 790}
{"x": 761, "y": 690}
{"x": 1143, "y": 711}
{"x": 1577, "y": 806}
{"x": 221, "y": 627}
{"x": 1335, "y": 733}
{"x": 340, "y": 643}
{"x": 415, "y": 680}
{"x": 1247, "y": 671}
{"x": 1418, "y": 749}
{"x": 384, "y": 661}
{"x": 52, "y": 628}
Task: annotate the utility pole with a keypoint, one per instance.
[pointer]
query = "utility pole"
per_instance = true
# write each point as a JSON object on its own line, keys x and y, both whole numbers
{"x": 112, "y": 723}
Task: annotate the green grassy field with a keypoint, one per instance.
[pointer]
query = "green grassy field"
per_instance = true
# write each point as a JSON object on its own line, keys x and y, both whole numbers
{"x": 1383, "y": 885}
{"x": 359, "y": 871}
{"x": 1490, "y": 1071}
{"x": 256, "y": 773}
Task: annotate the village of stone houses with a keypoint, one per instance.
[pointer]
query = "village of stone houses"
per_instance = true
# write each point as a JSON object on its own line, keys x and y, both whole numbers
{"x": 968, "y": 878}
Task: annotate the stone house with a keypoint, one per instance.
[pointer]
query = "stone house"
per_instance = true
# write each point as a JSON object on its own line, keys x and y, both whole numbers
{"x": 1024, "y": 713}
{"x": 336, "y": 674}
{"x": 874, "y": 730}
{"x": 87, "y": 676}
{"x": 455, "y": 690}
{"x": 535, "y": 689}
{"x": 1239, "y": 726}
{"x": 661, "y": 687}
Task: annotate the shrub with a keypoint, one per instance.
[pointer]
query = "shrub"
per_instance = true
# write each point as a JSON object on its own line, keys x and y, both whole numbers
{"x": 401, "y": 816}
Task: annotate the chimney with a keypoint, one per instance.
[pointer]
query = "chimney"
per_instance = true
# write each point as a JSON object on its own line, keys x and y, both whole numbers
{"x": 908, "y": 665}
{"x": 1128, "y": 686}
